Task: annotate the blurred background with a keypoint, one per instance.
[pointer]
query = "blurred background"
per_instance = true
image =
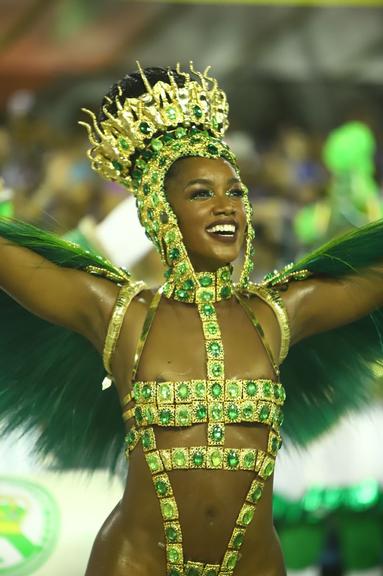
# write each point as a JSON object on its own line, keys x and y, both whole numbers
{"x": 305, "y": 87}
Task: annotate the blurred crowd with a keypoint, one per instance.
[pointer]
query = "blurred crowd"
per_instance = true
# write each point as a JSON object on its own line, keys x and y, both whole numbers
{"x": 305, "y": 187}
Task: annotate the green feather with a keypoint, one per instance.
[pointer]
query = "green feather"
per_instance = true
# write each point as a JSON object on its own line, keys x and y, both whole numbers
{"x": 50, "y": 377}
{"x": 332, "y": 373}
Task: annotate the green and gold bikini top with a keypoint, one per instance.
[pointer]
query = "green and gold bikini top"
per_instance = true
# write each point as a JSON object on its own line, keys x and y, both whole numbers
{"x": 213, "y": 402}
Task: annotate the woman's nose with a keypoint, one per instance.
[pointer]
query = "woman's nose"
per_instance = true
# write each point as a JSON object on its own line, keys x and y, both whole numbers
{"x": 223, "y": 205}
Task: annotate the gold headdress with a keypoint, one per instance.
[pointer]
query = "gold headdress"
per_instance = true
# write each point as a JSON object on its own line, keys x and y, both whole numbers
{"x": 137, "y": 145}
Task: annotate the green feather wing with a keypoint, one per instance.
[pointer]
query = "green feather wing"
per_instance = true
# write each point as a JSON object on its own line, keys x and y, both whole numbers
{"x": 332, "y": 373}
{"x": 50, "y": 377}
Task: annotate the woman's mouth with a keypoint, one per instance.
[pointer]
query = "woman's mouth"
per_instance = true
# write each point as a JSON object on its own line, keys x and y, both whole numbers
{"x": 223, "y": 232}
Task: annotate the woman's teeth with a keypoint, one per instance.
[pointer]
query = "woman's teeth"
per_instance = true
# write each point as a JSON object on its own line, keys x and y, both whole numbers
{"x": 224, "y": 229}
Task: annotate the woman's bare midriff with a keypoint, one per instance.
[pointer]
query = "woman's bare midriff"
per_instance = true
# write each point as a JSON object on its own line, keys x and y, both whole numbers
{"x": 131, "y": 541}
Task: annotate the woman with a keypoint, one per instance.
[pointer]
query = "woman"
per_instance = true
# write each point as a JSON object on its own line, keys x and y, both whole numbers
{"x": 195, "y": 364}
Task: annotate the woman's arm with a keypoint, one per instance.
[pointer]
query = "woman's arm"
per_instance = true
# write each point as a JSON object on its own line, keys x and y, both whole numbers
{"x": 320, "y": 304}
{"x": 71, "y": 298}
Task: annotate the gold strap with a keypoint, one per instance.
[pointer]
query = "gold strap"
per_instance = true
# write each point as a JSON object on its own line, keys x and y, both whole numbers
{"x": 272, "y": 297}
{"x": 259, "y": 329}
{"x": 124, "y": 298}
{"x": 145, "y": 331}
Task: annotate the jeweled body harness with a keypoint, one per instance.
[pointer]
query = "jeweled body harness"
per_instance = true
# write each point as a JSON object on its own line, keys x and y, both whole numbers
{"x": 136, "y": 147}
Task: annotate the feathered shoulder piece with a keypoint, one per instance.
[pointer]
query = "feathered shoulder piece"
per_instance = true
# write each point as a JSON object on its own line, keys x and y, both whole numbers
{"x": 332, "y": 373}
{"x": 50, "y": 377}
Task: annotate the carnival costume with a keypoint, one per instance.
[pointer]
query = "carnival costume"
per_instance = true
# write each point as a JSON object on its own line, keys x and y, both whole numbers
{"x": 56, "y": 388}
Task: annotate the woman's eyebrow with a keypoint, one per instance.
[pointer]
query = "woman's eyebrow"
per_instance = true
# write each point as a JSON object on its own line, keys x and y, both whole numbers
{"x": 210, "y": 182}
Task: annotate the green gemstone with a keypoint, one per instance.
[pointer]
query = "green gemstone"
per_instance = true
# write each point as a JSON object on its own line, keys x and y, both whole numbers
{"x": 174, "y": 254}
{"x": 217, "y": 370}
{"x": 153, "y": 463}
{"x": 130, "y": 438}
{"x": 201, "y": 412}
{"x": 138, "y": 414}
{"x": 174, "y": 572}
{"x": 225, "y": 275}
{"x": 280, "y": 418}
{"x": 212, "y": 328}
{"x": 168, "y": 510}
{"x": 161, "y": 487}
{"x": 267, "y": 389}
{"x": 144, "y": 128}
{"x": 167, "y": 137}
{"x": 150, "y": 214}
{"x": 215, "y": 349}
{"x": 232, "y": 561}
{"x": 171, "y": 534}
{"x": 264, "y": 413}
{"x": 146, "y": 440}
{"x": 192, "y": 571}
{"x": 179, "y": 458}
{"x": 248, "y": 411}
{"x": 216, "y": 412}
{"x": 198, "y": 458}
{"x": 170, "y": 236}
{"x": 117, "y": 165}
{"x": 124, "y": 144}
{"x": 140, "y": 163}
{"x": 232, "y": 459}
{"x": 155, "y": 200}
{"x": 225, "y": 292}
{"x": 188, "y": 284}
{"x": 212, "y": 149}
{"x": 180, "y": 132}
{"x": 217, "y": 432}
{"x": 232, "y": 411}
{"x": 193, "y": 131}
{"x": 277, "y": 392}
{"x": 173, "y": 555}
{"x": 256, "y": 494}
{"x": 216, "y": 458}
{"x": 137, "y": 175}
{"x": 155, "y": 177}
{"x": 208, "y": 309}
{"x": 269, "y": 469}
{"x": 146, "y": 189}
{"x": 149, "y": 415}
{"x": 200, "y": 389}
{"x": 183, "y": 416}
{"x": 238, "y": 541}
{"x": 251, "y": 388}
{"x": 171, "y": 113}
{"x": 147, "y": 154}
{"x": 249, "y": 459}
{"x": 233, "y": 390}
{"x": 197, "y": 111}
{"x": 156, "y": 144}
{"x": 248, "y": 516}
{"x": 184, "y": 391}
{"x": 206, "y": 296}
{"x": 205, "y": 281}
{"x": 216, "y": 390}
{"x": 146, "y": 392}
{"x": 182, "y": 294}
{"x": 165, "y": 417}
{"x": 274, "y": 444}
{"x": 164, "y": 392}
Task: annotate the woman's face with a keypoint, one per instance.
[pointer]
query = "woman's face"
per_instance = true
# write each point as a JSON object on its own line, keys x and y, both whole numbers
{"x": 206, "y": 196}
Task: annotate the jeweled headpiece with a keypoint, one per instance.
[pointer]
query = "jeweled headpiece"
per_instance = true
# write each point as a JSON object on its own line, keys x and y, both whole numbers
{"x": 137, "y": 145}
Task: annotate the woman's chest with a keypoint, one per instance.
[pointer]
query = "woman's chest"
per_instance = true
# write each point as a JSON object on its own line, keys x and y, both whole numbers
{"x": 173, "y": 347}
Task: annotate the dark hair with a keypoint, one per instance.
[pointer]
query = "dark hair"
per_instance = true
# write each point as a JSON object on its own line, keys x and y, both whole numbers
{"x": 132, "y": 86}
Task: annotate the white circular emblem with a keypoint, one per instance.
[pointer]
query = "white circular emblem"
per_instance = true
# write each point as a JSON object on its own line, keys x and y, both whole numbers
{"x": 29, "y": 526}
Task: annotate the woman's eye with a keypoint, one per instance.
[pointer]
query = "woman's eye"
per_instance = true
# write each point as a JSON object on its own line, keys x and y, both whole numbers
{"x": 238, "y": 192}
{"x": 202, "y": 193}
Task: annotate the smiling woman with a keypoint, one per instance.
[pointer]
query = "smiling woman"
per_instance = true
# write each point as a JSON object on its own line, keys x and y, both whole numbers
{"x": 206, "y": 197}
{"x": 196, "y": 363}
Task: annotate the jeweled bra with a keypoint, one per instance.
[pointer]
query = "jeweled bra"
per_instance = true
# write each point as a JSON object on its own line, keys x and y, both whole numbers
{"x": 216, "y": 401}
